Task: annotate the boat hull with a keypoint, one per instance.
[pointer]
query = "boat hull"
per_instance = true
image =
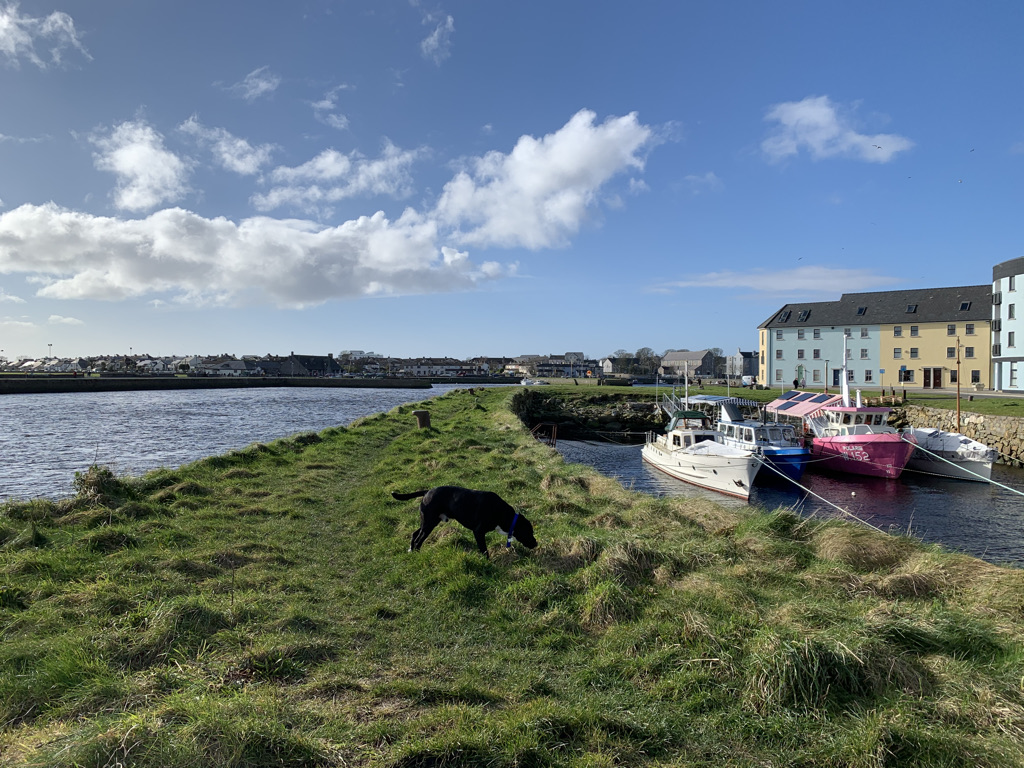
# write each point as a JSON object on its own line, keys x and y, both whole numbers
{"x": 732, "y": 476}
{"x": 874, "y": 455}
{"x": 952, "y": 467}
{"x": 790, "y": 463}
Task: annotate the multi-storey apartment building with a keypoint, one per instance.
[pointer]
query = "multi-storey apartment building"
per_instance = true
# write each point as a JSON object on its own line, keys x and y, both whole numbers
{"x": 925, "y": 338}
{"x": 1008, "y": 325}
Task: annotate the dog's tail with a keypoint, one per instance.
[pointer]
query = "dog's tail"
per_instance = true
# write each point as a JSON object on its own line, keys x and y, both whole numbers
{"x": 407, "y": 496}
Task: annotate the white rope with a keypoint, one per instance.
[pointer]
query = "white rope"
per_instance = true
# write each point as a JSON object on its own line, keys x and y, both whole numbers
{"x": 846, "y": 512}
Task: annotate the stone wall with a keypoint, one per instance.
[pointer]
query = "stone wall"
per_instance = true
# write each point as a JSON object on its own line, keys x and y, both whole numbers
{"x": 1004, "y": 433}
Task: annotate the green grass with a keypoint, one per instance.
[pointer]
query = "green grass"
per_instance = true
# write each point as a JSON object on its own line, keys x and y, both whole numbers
{"x": 260, "y": 609}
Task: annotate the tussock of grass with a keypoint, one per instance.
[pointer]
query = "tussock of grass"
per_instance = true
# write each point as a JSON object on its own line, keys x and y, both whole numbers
{"x": 260, "y": 608}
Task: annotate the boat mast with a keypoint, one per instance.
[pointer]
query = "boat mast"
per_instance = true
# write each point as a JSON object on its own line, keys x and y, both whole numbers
{"x": 845, "y": 383}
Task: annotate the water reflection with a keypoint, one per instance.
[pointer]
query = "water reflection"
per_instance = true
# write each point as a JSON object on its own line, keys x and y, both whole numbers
{"x": 980, "y": 519}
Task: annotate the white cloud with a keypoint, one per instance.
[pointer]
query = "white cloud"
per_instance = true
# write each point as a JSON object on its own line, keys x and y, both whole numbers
{"x": 332, "y": 176}
{"x": 61, "y": 320}
{"x": 20, "y": 34}
{"x": 801, "y": 281}
{"x": 326, "y": 110}
{"x": 147, "y": 173}
{"x": 285, "y": 262}
{"x": 698, "y": 185}
{"x": 540, "y": 193}
{"x": 257, "y": 83}
{"x": 437, "y": 46}
{"x": 818, "y": 125}
{"x": 4, "y": 296}
{"x": 230, "y": 151}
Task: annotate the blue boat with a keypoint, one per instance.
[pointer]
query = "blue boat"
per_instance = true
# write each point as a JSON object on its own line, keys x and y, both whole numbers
{"x": 778, "y": 444}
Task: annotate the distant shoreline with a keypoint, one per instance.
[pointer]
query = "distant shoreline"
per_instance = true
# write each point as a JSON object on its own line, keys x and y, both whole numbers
{"x": 51, "y": 384}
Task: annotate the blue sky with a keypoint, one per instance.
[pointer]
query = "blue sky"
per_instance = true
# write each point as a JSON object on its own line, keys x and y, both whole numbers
{"x": 474, "y": 178}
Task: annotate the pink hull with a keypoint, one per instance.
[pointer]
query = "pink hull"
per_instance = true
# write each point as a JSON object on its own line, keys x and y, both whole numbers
{"x": 882, "y": 455}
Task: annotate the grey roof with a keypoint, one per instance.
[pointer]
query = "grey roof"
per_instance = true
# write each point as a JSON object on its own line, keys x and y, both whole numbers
{"x": 678, "y": 357}
{"x": 933, "y": 305}
{"x": 1007, "y": 268}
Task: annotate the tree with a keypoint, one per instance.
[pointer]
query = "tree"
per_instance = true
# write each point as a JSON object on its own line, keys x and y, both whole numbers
{"x": 646, "y": 360}
{"x": 621, "y": 360}
{"x": 719, "y": 363}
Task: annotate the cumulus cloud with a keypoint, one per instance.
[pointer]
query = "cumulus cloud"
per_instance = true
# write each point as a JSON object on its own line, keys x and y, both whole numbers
{"x": 824, "y": 130}
{"x": 535, "y": 196}
{"x": 257, "y": 83}
{"x": 285, "y": 262}
{"x": 437, "y": 46}
{"x": 326, "y": 110}
{"x": 19, "y": 36}
{"x": 61, "y": 320}
{"x": 147, "y": 173}
{"x": 802, "y": 281}
{"x": 332, "y": 176}
{"x": 540, "y": 193}
{"x": 4, "y": 296}
{"x": 231, "y": 152}
{"x": 701, "y": 184}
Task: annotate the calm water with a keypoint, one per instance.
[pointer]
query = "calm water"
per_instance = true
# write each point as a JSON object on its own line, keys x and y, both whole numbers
{"x": 45, "y": 439}
{"x": 982, "y": 520}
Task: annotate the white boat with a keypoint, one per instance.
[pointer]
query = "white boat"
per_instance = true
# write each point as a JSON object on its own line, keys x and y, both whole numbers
{"x": 950, "y": 454}
{"x": 533, "y": 382}
{"x": 689, "y": 452}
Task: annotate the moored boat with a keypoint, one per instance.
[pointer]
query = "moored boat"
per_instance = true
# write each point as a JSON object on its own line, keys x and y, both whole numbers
{"x": 778, "y": 444}
{"x": 950, "y": 454}
{"x": 688, "y": 451}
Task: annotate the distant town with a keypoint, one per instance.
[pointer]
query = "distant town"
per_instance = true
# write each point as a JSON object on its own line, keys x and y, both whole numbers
{"x": 357, "y": 363}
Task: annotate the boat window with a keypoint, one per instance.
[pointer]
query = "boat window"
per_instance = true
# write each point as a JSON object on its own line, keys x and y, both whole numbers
{"x": 675, "y": 439}
{"x": 689, "y": 441}
{"x": 775, "y": 433}
{"x": 748, "y": 435}
{"x": 879, "y": 419}
{"x": 702, "y": 438}
{"x": 846, "y": 418}
{"x": 858, "y": 419}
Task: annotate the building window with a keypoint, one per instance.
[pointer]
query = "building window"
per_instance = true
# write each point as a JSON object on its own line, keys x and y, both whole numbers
{"x": 778, "y": 354}
{"x": 968, "y": 351}
{"x": 897, "y": 330}
{"x": 975, "y": 377}
{"x": 816, "y": 375}
{"x": 952, "y": 376}
{"x": 951, "y": 329}
{"x": 913, "y": 353}
{"x": 950, "y": 351}
{"x": 784, "y": 317}
{"x": 816, "y": 354}
{"x": 1010, "y": 313}
{"x": 778, "y": 335}
{"x": 817, "y": 333}
{"x": 867, "y": 375}
{"x": 897, "y": 353}
{"x": 778, "y": 375}
{"x": 803, "y": 316}
{"x": 863, "y": 354}
{"x": 861, "y": 310}
{"x": 911, "y": 308}
{"x": 849, "y": 354}
{"x": 846, "y": 333}
{"x": 906, "y": 376}
{"x": 863, "y": 333}
{"x": 800, "y": 334}
{"x": 1013, "y": 283}
{"x": 913, "y": 330}
{"x": 849, "y": 375}
{"x": 1010, "y": 339}
{"x": 964, "y": 306}
{"x": 799, "y": 354}
{"x": 1013, "y": 375}
{"x": 969, "y": 329}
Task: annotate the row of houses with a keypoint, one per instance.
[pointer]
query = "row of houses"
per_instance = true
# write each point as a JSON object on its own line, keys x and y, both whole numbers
{"x": 924, "y": 338}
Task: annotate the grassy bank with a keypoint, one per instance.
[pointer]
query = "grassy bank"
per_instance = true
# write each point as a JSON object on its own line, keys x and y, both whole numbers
{"x": 259, "y": 608}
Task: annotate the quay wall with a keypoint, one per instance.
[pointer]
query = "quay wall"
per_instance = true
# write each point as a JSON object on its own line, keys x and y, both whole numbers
{"x": 1004, "y": 433}
{"x": 18, "y": 385}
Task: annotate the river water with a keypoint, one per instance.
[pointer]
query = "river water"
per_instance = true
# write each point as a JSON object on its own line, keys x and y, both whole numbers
{"x": 982, "y": 520}
{"x": 46, "y": 438}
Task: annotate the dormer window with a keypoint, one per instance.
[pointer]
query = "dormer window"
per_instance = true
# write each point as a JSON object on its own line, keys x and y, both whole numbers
{"x": 964, "y": 306}
{"x": 784, "y": 317}
{"x": 861, "y": 310}
{"x": 911, "y": 308}
{"x": 804, "y": 314}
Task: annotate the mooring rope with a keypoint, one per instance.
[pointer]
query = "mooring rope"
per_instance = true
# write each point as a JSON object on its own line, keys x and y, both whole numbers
{"x": 765, "y": 463}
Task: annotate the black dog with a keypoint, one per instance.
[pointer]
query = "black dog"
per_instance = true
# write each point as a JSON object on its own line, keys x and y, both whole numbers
{"x": 480, "y": 511}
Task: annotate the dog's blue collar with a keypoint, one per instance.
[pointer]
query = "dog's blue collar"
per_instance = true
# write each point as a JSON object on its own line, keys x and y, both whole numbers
{"x": 511, "y": 530}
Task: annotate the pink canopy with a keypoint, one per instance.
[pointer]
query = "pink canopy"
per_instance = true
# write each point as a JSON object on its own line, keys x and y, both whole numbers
{"x": 799, "y": 404}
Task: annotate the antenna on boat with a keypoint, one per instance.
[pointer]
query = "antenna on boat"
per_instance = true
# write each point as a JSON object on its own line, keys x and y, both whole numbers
{"x": 845, "y": 383}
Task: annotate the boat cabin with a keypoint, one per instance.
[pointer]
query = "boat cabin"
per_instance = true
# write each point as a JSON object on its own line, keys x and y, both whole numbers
{"x": 857, "y": 421}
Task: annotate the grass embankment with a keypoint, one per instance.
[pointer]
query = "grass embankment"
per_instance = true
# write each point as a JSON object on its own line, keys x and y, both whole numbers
{"x": 260, "y": 608}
